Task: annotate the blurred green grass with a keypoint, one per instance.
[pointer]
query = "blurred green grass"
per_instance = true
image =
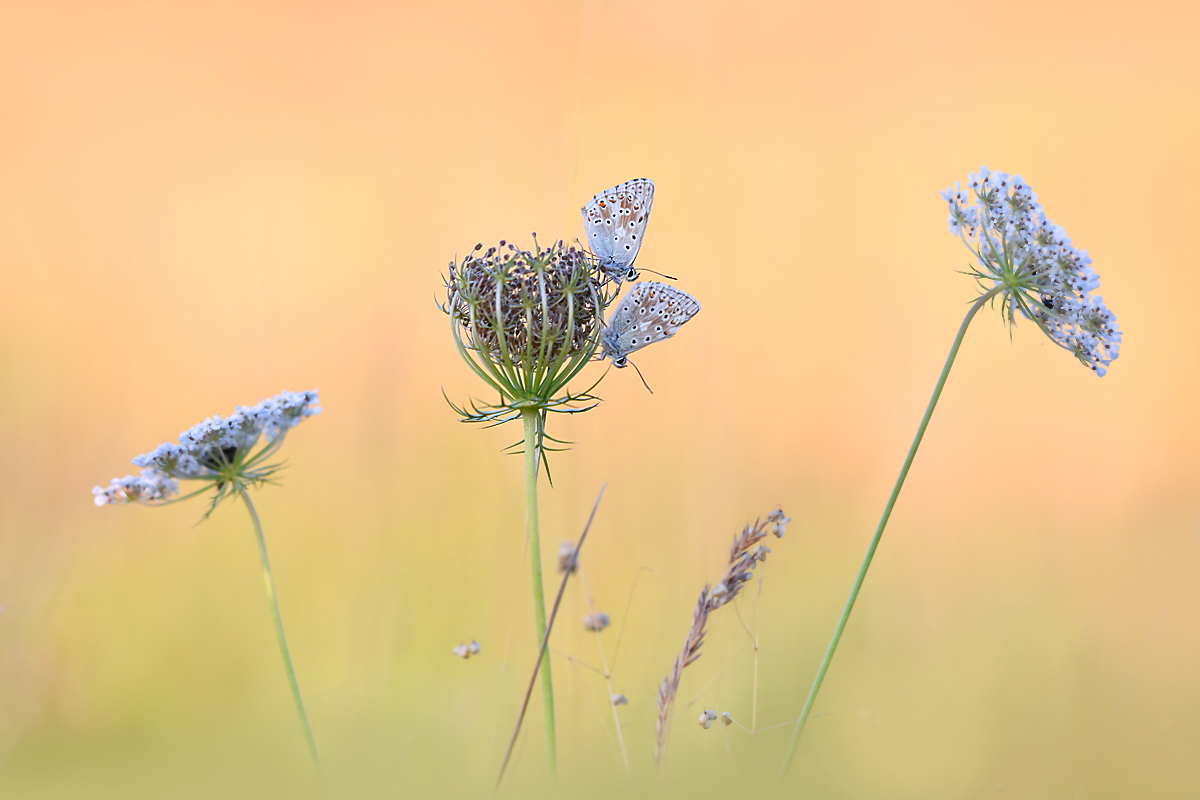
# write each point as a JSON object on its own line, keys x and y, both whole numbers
{"x": 977, "y": 673}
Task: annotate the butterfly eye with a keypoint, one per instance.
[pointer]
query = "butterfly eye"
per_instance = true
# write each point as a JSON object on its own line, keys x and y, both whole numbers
{"x": 620, "y": 362}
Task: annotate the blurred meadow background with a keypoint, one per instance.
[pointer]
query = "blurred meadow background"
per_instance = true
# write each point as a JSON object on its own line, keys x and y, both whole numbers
{"x": 204, "y": 204}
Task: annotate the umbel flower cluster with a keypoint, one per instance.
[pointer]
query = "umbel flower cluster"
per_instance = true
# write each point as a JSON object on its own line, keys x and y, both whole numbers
{"x": 1039, "y": 273}
{"x": 217, "y": 451}
{"x": 526, "y": 322}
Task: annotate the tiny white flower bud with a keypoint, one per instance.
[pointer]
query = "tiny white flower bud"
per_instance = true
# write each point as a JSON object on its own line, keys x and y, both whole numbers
{"x": 619, "y": 700}
{"x": 726, "y": 718}
{"x": 474, "y": 648}
{"x": 567, "y": 559}
{"x": 596, "y": 622}
{"x": 780, "y": 527}
{"x": 462, "y": 651}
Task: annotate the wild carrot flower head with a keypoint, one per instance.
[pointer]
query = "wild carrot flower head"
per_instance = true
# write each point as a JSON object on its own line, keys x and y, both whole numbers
{"x": 1041, "y": 275}
{"x": 219, "y": 452}
{"x": 526, "y": 322}
{"x": 151, "y": 486}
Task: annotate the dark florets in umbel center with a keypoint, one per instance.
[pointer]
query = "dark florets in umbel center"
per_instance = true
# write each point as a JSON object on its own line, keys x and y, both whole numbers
{"x": 530, "y": 303}
{"x": 215, "y": 462}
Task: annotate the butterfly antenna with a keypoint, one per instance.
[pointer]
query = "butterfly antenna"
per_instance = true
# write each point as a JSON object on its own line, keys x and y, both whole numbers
{"x": 659, "y": 274}
{"x": 639, "y": 372}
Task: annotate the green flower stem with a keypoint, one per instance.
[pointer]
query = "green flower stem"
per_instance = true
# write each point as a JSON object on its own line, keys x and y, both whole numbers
{"x": 283, "y": 646}
{"x": 530, "y": 418}
{"x": 887, "y": 512}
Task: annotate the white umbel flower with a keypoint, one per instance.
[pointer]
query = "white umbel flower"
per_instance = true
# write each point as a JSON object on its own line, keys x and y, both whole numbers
{"x": 221, "y": 455}
{"x": 219, "y": 450}
{"x": 1042, "y": 276}
{"x": 151, "y": 486}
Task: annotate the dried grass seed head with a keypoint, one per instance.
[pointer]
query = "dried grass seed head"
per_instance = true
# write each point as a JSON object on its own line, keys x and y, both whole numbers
{"x": 745, "y": 551}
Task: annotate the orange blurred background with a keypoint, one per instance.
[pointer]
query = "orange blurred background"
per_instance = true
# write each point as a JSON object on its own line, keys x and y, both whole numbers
{"x": 204, "y": 204}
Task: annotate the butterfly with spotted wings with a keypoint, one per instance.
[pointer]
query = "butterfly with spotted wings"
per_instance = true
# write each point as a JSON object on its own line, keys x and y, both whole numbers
{"x": 615, "y": 222}
{"x": 649, "y": 313}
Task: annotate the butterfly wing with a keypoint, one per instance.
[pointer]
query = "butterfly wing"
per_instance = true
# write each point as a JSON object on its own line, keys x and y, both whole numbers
{"x": 615, "y": 223}
{"x": 649, "y": 313}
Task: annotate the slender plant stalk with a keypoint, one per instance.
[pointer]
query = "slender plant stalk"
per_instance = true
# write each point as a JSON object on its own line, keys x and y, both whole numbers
{"x": 887, "y": 512}
{"x": 616, "y": 716}
{"x": 545, "y": 641}
{"x": 757, "y": 633}
{"x": 530, "y": 418}
{"x": 607, "y": 673}
{"x": 283, "y": 646}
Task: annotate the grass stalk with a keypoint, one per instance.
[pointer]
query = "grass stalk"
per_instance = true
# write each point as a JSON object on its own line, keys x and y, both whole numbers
{"x": 757, "y": 633}
{"x": 887, "y": 512}
{"x": 607, "y": 674}
{"x": 530, "y": 417}
{"x": 283, "y": 645}
{"x": 543, "y": 653}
